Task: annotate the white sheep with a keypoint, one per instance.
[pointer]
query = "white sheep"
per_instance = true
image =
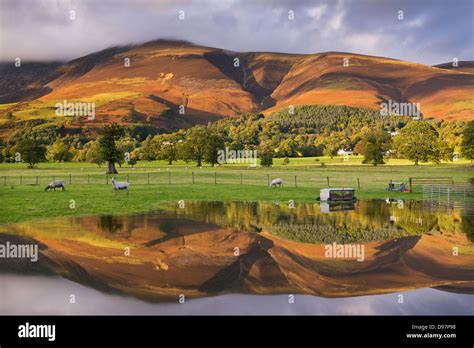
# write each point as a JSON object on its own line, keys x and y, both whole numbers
{"x": 55, "y": 184}
{"x": 119, "y": 185}
{"x": 276, "y": 182}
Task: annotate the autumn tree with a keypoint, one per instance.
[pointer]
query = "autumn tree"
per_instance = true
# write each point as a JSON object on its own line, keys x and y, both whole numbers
{"x": 31, "y": 151}
{"x": 374, "y": 145}
{"x": 107, "y": 146}
{"x": 418, "y": 142}
{"x": 467, "y": 144}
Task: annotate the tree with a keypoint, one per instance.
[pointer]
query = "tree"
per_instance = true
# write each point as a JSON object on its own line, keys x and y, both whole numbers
{"x": 330, "y": 149}
{"x": 215, "y": 142}
{"x": 132, "y": 161}
{"x": 148, "y": 149}
{"x": 167, "y": 147}
{"x": 59, "y": 152}
{"x": 444, "y": 151}
{"x": 467, "y": 144}
{"x": 196, "y": 144}
{"x": 107, "y": 147}
{"x": 418, "y": 141}
{"x": 8, "y": 154}
{"x": 374, "y": 145}
{"x": 31, "y": 151}
{"x": 288, "y": 147}
{"x": 92, "y": 153}
{"x": 266, "y": 159}
{"x": 125, "y": 145}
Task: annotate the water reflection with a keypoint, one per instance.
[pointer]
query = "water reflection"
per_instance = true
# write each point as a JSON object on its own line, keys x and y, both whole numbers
{"x": 369, "y": 220}
{"x": 202, "y": 249}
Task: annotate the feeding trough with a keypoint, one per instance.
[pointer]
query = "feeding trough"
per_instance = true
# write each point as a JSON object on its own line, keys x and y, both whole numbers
{"x": 345, "y": 194}
{"x": 328, "y": 207}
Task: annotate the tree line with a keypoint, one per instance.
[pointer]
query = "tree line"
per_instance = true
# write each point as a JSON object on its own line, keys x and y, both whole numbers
{"x": 307, "y": 131}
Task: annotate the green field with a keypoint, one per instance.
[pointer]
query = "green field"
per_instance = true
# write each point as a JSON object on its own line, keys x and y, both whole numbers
{"x": 23, "y": 198}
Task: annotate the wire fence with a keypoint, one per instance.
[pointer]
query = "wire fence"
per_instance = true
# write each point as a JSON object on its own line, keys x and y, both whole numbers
{"x": 290, "y": 179}
{"x": 183, "y": 177}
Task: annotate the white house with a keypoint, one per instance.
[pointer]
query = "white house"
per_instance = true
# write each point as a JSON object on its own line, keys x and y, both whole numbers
{"x": 343, "y": 152}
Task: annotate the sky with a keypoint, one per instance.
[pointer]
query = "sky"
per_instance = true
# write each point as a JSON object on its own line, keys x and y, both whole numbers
{"x": 427, "y": 31}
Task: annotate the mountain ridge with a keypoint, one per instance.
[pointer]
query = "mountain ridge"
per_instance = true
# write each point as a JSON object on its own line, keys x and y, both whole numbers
{"x": 211, "y": 83}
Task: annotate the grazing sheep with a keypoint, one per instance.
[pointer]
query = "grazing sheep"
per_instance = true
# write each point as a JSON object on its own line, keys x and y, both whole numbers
{"x": 55, "y": 184}
{"x": 276, "y": 182}
{"x": 119, "y": 185}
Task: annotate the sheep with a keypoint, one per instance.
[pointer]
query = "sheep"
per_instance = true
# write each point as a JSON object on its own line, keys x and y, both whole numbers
{"x": 55, "y": 184}
{"x": 276, "y": 182}
{"x": 119, "y": 185}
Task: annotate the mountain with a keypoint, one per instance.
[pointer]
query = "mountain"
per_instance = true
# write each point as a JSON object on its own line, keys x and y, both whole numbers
{"x": 201, "y": 263}
{"x": 212, "y": 83}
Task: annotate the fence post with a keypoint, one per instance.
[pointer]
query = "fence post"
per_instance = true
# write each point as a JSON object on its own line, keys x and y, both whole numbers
{"x": 70, "y": 179}
{"x": 268, "y": 179}
{"x": 107, "y": 179}
{"x": 358, "y": 183}
{"x": 88, "y": 180}
{"x": 21, "y": 180}
{"x": 193, "y": 176}
{"x": 169, "y": 178}
{"x": 240, "y": 178}
{"x": 148, "y": 178}
{"x": 327, "y": 179}
{"x": 127, "y": 177}
{"x": 36, "y": 179}
{"x": 215, "y": 177}
{"x": 295, "y": 182}
{"x": 409, "y": 183}
{"x": 5, "y": 180}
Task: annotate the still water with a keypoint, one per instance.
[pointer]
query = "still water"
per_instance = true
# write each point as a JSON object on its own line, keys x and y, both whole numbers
{"x": 246, "y": 258}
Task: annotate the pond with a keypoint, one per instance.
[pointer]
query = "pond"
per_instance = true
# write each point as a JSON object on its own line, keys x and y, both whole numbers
{"x": 196, "y": 257}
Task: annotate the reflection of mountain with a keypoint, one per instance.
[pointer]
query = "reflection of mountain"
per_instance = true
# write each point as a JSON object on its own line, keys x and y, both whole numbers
{"x": 200, "y": 259}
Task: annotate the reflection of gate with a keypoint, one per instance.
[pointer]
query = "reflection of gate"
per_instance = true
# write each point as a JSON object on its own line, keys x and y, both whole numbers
{"x": 447, "y": 198}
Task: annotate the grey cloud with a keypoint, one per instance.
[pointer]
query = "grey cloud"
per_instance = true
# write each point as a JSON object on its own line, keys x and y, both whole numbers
{"x": 432, "y": 32}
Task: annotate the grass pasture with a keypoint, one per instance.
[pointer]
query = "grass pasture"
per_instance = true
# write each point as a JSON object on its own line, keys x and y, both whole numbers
{"x": 87, "y": 193}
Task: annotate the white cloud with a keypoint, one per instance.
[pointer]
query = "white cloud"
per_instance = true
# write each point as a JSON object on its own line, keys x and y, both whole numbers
{"x": 335, "y": 22}
{"x": 364, "y": 42}
{"x": 316, "y": 12}
{"x": 417, "y": 22}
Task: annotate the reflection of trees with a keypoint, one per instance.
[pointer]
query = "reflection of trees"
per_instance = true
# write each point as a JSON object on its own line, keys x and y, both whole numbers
{"x": 416, "y": 220}
{"x": 371, "y": 220}
{"x": 110, "y": 223}
{"x": 468, "y": 226}
{"x": 333, "y": 232}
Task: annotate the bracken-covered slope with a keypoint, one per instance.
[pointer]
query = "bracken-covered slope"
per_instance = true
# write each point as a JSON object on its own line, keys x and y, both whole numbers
{"x": 213, "y": 83}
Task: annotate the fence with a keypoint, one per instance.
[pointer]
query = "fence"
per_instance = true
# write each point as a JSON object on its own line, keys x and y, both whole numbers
{"x": 447, "y": 198}
{"x": 439, "y": 181}
{"x": 186, "y": 177}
